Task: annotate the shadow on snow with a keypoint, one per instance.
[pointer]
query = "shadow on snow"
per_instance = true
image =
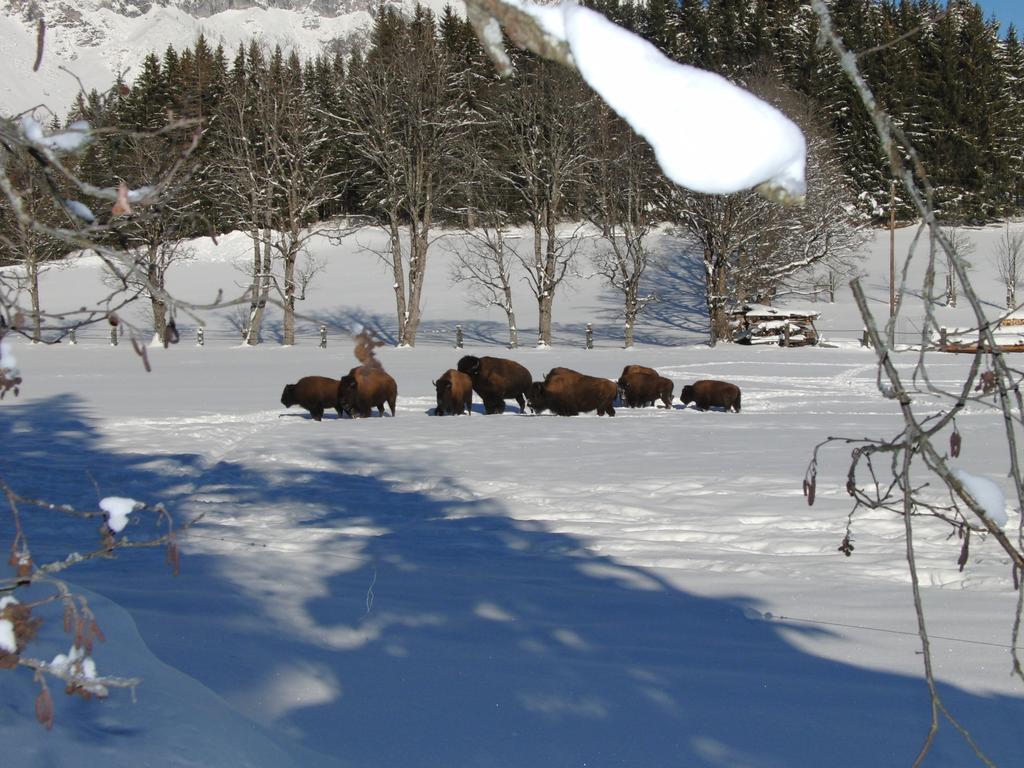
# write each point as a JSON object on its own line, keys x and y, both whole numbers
{"x": 425, "y": 631}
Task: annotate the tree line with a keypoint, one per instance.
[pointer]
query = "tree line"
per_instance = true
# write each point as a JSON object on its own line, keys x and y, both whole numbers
{"x": 414, "y": 130}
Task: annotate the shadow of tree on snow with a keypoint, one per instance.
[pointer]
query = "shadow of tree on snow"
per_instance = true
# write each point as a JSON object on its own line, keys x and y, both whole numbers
{"x": 437, "y": 631}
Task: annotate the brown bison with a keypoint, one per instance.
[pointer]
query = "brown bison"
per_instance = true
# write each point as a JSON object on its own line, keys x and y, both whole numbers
{"x": 639, "y": 389}
{"x": 708, "y": 393}
{"x": 366, "y": 387}
{"x": 314, "y": 393}
{"x": 494, "y": 379}
{"x": 568, "y": 393}
{"x": 638, "y": 369}
{"x": 454, "y": 393}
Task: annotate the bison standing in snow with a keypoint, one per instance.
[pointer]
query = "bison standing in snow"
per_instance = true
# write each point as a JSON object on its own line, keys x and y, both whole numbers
{"x": 366, "y": 387}
{"x": 639, "y": 388}
{"x": 314, "y": 393}
{"x": 708, "y": 393}
{"x": 568, "y": 393}
{"x": 454, "y": 393}
{"x": 495, "y": 378}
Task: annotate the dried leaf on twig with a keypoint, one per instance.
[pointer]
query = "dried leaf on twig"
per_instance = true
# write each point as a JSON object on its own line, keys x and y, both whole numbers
{"x": 811, "y": 482}
{"x": 141, "y": 352}
{"x": 847, "y": 546}
{"x": 121, "y": 206}
{"x": 964, "y": 549}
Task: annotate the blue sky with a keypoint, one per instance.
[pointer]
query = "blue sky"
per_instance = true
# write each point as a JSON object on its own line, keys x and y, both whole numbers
{"x": 1006, "y": 11}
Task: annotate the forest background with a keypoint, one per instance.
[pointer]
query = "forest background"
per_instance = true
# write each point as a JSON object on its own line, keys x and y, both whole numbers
{"x": 414, "y": 130}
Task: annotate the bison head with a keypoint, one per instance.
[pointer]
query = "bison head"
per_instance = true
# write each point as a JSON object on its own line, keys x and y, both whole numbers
{"x": 288, "y": 396}
{"x": 686, "y": 396}
{"x": 536, "y": 397}
{"x": 347, "y": 391}
{"x": 444, "y": 393}
{"x": 470, "y": 365}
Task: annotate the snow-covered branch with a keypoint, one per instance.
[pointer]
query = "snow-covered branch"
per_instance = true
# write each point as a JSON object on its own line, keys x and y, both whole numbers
{"x": 21, "y": 621}
{"x": 708, "y": 134}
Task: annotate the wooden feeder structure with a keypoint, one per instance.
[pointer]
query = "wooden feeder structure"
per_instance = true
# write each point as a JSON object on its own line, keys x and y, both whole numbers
{"x": 762, "y": 324}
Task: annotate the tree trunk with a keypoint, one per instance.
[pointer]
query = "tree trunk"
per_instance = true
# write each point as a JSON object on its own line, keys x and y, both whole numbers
{"x": 510, "y": 315}
{"x": 254, "y": 289}
{"x": 546, "y": 299}
{"x": 399, "y": 274}
{"x": 263, "y": 290}
{"x": 155, "y": 286}
{"x": 538, "y": 269}
{"x": 718, "y": 323}
{"x": 33, "y": 289}
{"x": 544, "y": 320}
{"x": 288, "y": 324}
{"x": 631, "y": 311}
{"x": 418, "y": 243}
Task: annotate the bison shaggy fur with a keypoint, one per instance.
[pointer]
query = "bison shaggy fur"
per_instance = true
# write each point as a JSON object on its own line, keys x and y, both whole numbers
{"x": 314, "y": 393}
{"x": 638, "y": 369}
{"x": 708, "y": 393}
{"x": 566, "y": 392}
{"x": 454, "y": 393}
{"x": 639, "y": 389}
{"x": 366, "y": 387}
{"x": 495, "y": 379}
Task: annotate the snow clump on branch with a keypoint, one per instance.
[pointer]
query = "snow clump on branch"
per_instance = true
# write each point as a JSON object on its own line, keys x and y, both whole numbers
{"x": 72, "y": 139}
{"x": 708, "y": 135}
{"x": 117, "y": 508}
{"x": 988, "y": 495}
{"x": 8, "y": 640}
{"x": 76, "y": 664}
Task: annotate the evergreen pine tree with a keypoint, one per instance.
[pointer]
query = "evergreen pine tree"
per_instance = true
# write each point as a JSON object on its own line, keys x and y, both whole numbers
{"x": 1013, "y": 66}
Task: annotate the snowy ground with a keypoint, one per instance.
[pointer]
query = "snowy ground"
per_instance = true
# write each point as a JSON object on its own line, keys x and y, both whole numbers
{"x": 646, "y": 590}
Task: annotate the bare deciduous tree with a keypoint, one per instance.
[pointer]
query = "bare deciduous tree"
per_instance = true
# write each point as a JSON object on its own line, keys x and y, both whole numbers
{"x": 960, "y": 248}
{"x": 1009, "y": 261}
{"x": 887, "y": 473}
{"x": 403, "y": 121}
{"x": 753, "y": 248}
{"x": 34, "y": 252}
{"x": 485, "y": 267}
{"x": 627, "y": 192}
{"x": 544, "y": 158}
{"x": 275, "y": 172}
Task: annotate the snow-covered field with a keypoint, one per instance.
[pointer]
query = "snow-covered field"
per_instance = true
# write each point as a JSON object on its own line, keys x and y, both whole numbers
{"x": 643, "y": 591}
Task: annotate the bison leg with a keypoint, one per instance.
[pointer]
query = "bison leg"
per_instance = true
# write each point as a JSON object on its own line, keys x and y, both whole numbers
{"x": 522, "y": 403}
{"x": 316, "y": 413}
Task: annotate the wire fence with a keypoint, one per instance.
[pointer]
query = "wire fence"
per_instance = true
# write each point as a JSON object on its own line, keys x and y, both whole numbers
{"x": 452, "y": 336}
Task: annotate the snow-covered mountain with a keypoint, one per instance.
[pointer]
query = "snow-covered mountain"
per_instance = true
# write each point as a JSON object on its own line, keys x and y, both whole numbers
{"x": 88, "y": 42}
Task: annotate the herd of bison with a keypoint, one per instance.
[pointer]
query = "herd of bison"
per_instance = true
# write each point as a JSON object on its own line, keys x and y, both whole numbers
{"x": 564, "y": 391}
